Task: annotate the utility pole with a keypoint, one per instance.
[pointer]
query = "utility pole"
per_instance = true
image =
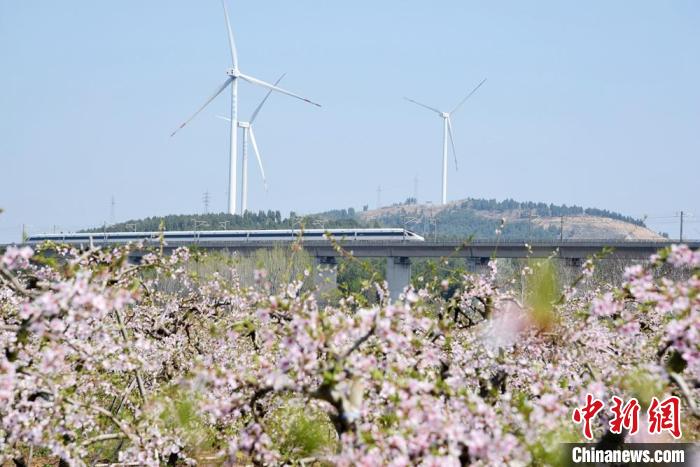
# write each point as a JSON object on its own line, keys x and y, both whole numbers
{"x": 681, "y": 233}
{"x": 434, "y": 222}
{"x": 529, "y": 226}
{"x": 379, "y": 196}
{"x": 198, "y": 223}
{"x": 561, "y": 230}
{"x": 206, "y": 200}
{"x": 112, "y": 205}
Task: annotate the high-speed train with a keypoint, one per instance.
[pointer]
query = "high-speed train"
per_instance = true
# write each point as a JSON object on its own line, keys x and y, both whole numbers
{"x": 204, "y": 236}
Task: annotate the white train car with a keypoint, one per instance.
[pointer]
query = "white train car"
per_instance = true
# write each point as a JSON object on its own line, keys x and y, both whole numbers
{"x": 204, "y": 236}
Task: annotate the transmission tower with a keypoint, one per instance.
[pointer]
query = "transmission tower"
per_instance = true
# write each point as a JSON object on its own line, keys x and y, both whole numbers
{"x": 206, "y": 199}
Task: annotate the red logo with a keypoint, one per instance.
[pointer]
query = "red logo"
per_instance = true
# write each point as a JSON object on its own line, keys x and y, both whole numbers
{"x": 661, "y": 416}
{"x": 665, "y": 416}
{"x": 585, "y": 414}
{"x": 626, "y": 416}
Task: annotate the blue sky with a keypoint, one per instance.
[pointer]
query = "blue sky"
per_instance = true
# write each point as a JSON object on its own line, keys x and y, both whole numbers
{"x": 590, "y": 103}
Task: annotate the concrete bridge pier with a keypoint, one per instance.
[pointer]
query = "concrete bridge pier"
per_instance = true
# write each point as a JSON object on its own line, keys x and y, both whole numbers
{"x": 398, "y": 274}
{"x": 326, "y": 274}
{"x": 477, "y": 264}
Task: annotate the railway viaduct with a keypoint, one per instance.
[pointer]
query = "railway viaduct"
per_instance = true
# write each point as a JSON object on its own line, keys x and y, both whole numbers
{"x": 476, "y": 253}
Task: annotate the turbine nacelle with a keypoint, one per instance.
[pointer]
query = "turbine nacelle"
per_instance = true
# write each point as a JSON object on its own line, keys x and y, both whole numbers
{"x": 445, "y": 115}
{"x": 243, "y": 124}
{"x": 233, "y": 72}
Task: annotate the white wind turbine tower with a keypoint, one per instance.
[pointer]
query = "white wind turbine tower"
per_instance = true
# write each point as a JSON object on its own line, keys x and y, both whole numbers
{"x": 233, "y": 75}
{"x": 447, "y": 128}
{"x": 248, "y": 133}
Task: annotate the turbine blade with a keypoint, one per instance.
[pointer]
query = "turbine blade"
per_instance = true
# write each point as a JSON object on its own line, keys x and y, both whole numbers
{"x": 223, "y": 118}
{"x": 257, "y": 154}
{"x": 213, "y": 96}
{"x": 467, "y": 97}
{"x": 423, "y": 105}
{"x": 231, "y": 42}
{"x": 255, "y": 113}
{"x": 264, "y": 84}
{"x": 452, "y": 140}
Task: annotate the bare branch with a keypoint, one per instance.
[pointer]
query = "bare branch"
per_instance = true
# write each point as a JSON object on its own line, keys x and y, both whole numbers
{"x": 685, "y": 390}
{"x": 105, "y": 437}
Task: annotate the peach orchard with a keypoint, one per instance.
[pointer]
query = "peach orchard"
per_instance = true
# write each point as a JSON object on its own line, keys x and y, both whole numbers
{"x": 110, "y": 362}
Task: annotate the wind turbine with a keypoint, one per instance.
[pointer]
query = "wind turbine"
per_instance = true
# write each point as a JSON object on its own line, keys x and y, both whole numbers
{"x": 249, "y": 133}
{"x": 447, "y": 128}
{"x": 234, "y": 74}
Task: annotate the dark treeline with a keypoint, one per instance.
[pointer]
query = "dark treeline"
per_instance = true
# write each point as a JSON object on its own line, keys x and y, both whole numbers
{"x": 543, "y": 209}
{"x": 223, "y": 221}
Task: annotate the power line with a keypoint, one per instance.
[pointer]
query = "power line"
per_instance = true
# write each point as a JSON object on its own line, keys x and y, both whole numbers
{"x": 675, "y": 222}
{"x": 660, "y": 217}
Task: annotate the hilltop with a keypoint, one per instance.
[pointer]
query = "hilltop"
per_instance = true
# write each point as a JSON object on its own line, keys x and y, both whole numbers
{"x": 521, "y": 220}
{"x": 456, "y": 220}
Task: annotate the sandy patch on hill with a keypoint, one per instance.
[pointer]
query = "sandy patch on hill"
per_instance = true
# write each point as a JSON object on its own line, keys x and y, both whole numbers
{"x": 575, "y": 227}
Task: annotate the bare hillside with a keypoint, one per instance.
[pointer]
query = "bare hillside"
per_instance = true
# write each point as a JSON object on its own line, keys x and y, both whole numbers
{"x": 593, "y": 227}
{"x": 464, "y": 219}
